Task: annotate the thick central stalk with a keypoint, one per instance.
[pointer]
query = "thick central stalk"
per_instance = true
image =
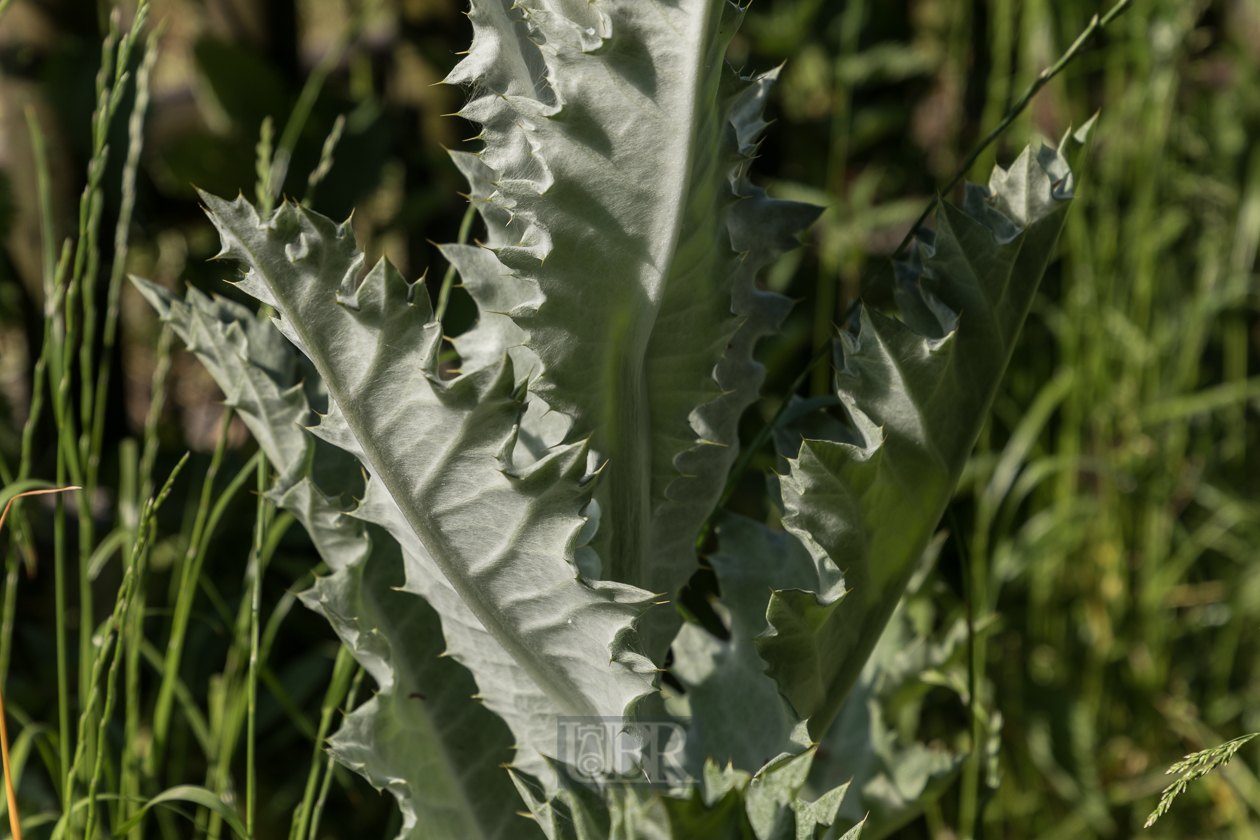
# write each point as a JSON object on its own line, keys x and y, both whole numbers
{"x": 629, "y": 469}
{"x": 628, "y": 436}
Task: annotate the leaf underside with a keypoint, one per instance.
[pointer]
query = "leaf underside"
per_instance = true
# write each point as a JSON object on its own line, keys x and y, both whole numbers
{"x": 422, "y": 736}
{"x": 916, "y": 392}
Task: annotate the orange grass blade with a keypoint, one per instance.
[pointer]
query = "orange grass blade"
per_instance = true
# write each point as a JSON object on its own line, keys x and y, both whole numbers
{"x": 15, "y": 826}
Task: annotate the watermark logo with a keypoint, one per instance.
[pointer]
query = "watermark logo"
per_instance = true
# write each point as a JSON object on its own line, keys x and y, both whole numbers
{"x": 646, "y": 751}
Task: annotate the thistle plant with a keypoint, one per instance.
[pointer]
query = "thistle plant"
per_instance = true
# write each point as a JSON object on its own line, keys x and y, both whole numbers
{"x": 508, "y": 540}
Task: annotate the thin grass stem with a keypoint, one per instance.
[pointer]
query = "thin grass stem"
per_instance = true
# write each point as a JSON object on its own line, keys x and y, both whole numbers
{"x": 15, "y": 822}
{"x": 320, "y": 172}
{"x": 15, "y": 826}
{"x": 43, "y": 180}
{"x": 448, "y": 279}
{"x": 330, "y": 766}
{"x": 306, "y": 102}
{"x": 1096, "y": 25}
{"x": 184, "y": 594}
{"x": 135, "y": 145}
{"x": 827, "y": 283}
{"x": 258, "y": 569}
{"x": 118, "y": 626}
{"x": 343, "y": 667}
{"x": 114, "y": 635}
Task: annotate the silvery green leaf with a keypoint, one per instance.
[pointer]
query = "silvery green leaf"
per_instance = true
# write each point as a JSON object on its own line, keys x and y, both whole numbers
{"x": 488, "y": 542}
{"x": 917, "y": 392}
{"x": 422, "y": 735}
{"x": 624, "y": 242}
{"x": 725, "y": 679}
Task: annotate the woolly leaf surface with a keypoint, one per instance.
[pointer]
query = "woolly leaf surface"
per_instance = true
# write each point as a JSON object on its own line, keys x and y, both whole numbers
{"x": 917, "y": 393}
{"x": 623, "y": 243}
{"x": 489, "y": 543}
{"x": 422, "y": 736}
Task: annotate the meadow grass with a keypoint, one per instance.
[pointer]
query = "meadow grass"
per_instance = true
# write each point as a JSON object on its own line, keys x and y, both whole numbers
{"x": 1105, "y": 532}
{"x": 112, "y": 786}
{"x": 1114, "y": 524}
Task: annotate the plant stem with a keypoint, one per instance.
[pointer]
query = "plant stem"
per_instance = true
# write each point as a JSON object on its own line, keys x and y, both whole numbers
{"x": 135, "y": 144}
{"x": 448, "y": 279}
{"x": 342, "y": 669}
{"x": 43, "y": 182}
{"x": 279, "y": 169}
{"x": 827, "y": 297}
{"x": 331, "y": 766}
{"x": 15, "y": 824}
{"x": 189, "y": 572}
{"x": 114, "y": 634}
{"x": 256, "y": 563}
{"x": 325, "y": 160}
{"x": 1096, "y": 25}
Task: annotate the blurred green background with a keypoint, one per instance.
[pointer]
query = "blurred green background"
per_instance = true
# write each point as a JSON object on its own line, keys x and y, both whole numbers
{"x": 1113, "y": 504}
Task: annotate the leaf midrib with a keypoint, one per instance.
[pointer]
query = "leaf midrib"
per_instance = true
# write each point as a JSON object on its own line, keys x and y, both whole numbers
{"x": 385, "y": 473}
{"x": 631, "y": 448}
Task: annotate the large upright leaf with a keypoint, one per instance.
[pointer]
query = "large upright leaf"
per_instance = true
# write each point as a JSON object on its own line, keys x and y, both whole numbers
{"x": 602, "y": 386}
{"x": 489, "y": 544}
{"x": 917, "y": 392}
{"x": 624, "y": 240}
{"x": 423, "y": 735}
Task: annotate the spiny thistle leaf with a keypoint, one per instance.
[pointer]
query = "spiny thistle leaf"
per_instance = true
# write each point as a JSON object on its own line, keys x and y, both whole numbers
{"x": 624, "y": 242}
{"x": 543, "y": 499}
{"x": 489, "y": 543}
{"x": 422, "y": 735}
{"x": 917, "y": 393}
{"x": 891, "y": 780}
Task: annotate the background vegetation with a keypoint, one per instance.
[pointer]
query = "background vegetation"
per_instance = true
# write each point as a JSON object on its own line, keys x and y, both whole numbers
{"x": 1104, "y": 541}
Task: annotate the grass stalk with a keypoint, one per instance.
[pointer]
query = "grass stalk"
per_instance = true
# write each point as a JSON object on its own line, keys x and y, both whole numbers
{"x": 343, "y": 668}
{"x": 15, "y": 826}
{"x": 8, "y": 611}
{"x": 43, "y": 181}
{"x": 257, "y": 569}
{"x": 123, "y": 609}
{"x": 320, "y": 172}
{"x": 135, "y": 146}
{"x": 301, "y": 112}
{"x": 330, "y": 766}
{"x": 190, "y": 572}
{"x": 1096, "y": 25}
{"x": 234, "y": 708}
{"x": 87, "y": 713}
{"x": 184, "y": 591}
{"x": 827, "y": 284}
{"x": 132, "y": 761}
{"x": 448, "y": 279}
{"x": 10, "y": 791}
{"x": 113, "y": 635}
